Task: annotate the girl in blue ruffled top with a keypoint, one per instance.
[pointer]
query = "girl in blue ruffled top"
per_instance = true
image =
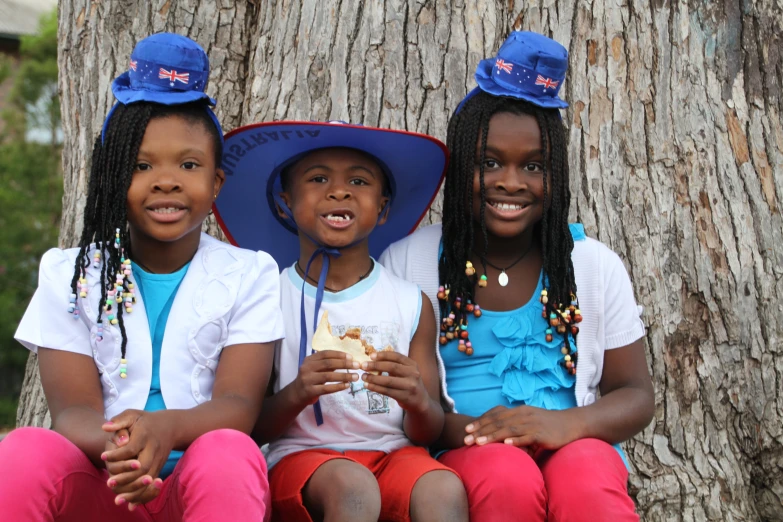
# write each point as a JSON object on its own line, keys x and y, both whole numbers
{"x": 535, "y": 319}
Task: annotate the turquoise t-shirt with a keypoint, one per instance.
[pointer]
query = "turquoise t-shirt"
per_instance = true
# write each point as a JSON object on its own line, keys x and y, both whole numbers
{"x": 158, "y": 292}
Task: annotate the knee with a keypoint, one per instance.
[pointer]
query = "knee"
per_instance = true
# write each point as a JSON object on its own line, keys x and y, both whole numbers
{"x": 587, "y": 473}
{"x": 213, "y": 451}
{"x": 38, "y": 453}
{"x": 352, "y": 493}
{"x": 444, "y": 489}
{"x": 495, "y": 473}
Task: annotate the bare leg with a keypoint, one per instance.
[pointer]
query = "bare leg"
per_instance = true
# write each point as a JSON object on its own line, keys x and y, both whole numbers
{"x": 342, "y": 490}
{"x": 439, "y": 496}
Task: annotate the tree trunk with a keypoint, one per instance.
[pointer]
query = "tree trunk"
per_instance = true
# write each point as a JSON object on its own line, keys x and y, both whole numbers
{"x": 676, "y": 151}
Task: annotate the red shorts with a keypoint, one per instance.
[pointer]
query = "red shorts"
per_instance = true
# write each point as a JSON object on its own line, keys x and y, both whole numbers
{"x": 396, "y": 473}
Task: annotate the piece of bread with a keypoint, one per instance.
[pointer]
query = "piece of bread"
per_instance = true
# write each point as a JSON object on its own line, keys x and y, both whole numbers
{"x": 350, "y": 343}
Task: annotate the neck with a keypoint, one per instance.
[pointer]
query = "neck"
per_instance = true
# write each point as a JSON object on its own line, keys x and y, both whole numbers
{"x": 163, "y": 257}
{"x": 501, "y": 249}
{"x": 344, "y": 271}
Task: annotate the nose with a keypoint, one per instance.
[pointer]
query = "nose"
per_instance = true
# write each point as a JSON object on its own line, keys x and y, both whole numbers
{"x": 510, "y": 181}
{"x": 167, "y": 182}
{"x": 340, "y": 191}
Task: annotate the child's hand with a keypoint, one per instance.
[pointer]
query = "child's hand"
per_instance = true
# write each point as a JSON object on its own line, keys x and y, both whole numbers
{"x": 403, "y": 382}
{"x": 151, "y": 440}
{"x": 319, "y": 369}
{"x": 524, "y": 426}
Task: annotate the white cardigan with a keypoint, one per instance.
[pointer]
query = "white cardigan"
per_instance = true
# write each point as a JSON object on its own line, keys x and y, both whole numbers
{"x": 611, "y": 318}
{"x": 228, "y": 296}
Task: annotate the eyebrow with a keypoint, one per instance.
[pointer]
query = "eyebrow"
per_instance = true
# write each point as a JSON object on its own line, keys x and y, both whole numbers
{"x": 535, "y": 152}
{"x": 326, "y": 167}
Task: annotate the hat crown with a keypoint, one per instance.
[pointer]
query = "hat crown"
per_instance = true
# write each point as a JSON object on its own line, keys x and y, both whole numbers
{"x": 528, "y": 66}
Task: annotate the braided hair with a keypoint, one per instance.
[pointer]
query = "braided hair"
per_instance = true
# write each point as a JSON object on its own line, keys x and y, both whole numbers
{"x": 105, "y": 211}
{"x": 467, "y": 128}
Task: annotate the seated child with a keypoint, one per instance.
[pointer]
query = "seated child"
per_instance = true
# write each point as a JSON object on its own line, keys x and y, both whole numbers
{"x": 348, "y": 431}
{"x": 162, "y": 340}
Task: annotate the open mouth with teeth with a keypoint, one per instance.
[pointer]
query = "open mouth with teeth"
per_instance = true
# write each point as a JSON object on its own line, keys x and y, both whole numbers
{"x": 166, "y": 210}
{"x": 508, "y": 207}
{"x": 338, "y": 218}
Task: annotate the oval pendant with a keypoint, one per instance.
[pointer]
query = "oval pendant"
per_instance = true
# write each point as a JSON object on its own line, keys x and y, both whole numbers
{"x": 503, "y": 278}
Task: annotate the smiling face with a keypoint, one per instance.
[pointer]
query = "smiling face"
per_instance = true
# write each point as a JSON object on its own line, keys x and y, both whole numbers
{"x": 336, "y": 195}
{"x": 513, "y": 175}
{"x": 175, "y": 180}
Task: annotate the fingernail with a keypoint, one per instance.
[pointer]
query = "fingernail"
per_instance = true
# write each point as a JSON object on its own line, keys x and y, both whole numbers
{"x": 481, "y": 440}
{"x": 469, "y": 440}
{"x": 366, "y": 384}
{"x": 469, "y": 427}
{"x": 119, "y": 501}
{"x": 356, "y": 365}
{"x": 354, "y": 377}
{"x": 123, "y": 438}
{"x": 509, "y": 441}
{"x": 348, "y": 356}
{"x": 104, "y": 457}
{"x": 135, "y": 465}
{"x": 365, "y": 366}
{"x": 373, "y": 356}
{"x": 108, "y": 424}
{"x": 146, "y": 481}
{"x": 131, "y": 507}
{"x": 157, "y": 484}
{"x": 111, "y": 483}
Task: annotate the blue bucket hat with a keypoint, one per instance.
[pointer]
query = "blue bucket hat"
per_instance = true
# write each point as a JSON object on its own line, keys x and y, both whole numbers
{"x": 528, "y": 66}
{"x": 254, "y": 156}
{"x": 164, "y": 68}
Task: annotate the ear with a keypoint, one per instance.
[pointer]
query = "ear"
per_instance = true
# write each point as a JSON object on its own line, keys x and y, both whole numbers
{"x": 220, "y": 178}
{"x": 383, "y": 212}
{"x": 287, "y": 200}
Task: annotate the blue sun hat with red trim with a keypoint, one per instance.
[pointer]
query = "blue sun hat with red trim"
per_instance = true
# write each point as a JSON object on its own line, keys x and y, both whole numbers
{"x": 529, "y": 66}
{"x": 164, "y": 68}
{"x": 254, "y": 156}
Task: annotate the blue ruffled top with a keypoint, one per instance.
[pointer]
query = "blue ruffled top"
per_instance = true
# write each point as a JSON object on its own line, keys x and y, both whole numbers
{"x": 512, "y": 364}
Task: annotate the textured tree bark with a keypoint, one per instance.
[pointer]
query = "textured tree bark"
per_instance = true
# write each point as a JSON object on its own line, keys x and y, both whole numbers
{"x": 676, "y": 151}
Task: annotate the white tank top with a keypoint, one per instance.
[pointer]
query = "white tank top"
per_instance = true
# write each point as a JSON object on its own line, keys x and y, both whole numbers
{"x": 386, "y": 309}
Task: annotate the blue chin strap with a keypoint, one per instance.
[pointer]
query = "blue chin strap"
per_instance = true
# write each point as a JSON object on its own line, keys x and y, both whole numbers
{"x": 325, "y": 252}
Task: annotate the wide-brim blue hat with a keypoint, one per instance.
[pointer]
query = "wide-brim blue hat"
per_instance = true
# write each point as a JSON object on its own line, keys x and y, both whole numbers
{"x": 529, "y": 66}
{"x": 164, "y": 68}
{"x": 254, "y": 156}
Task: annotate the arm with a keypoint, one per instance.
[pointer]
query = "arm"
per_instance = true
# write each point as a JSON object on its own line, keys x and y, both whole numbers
{"x": 627, "y": 402}
{"x": 73, "y": 391}
{"x": 413, "y": 380}
{"x": 317, "y": 376}
{"x": 453, "y": 435}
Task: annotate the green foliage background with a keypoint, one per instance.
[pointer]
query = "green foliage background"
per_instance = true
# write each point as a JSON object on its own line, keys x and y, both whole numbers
{"x": 30, "y": 193}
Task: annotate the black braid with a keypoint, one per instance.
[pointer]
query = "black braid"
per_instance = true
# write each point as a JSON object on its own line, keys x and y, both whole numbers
{"x": 468, "y": 128}
{"x": 111, "y": 172}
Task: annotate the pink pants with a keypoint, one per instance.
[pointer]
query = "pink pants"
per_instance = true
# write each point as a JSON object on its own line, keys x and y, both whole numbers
{"x": 583, "y": 481}
{"x": 44, "y": 477}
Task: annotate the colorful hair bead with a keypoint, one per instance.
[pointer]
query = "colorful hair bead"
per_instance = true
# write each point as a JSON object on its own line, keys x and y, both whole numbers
{"x": 96, "y": 259}
{"x": 469, "y": 270}
{"x": 441, "y": 293}
{"x": 124, "y": 368}
{"x": 117, "y": 238}
{"x": 461, "y": 347}
{"x": 544, "y": 299}
{"x": 549, "y": 335}
{"x": 482, "y": 281}
{"x": 99, "y": 333}
{"x": 477, "y": 311}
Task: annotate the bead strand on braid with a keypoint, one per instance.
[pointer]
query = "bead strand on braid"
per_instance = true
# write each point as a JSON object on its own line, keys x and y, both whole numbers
{"x": 458, "y": 281}
{"x": 105, "y": 212}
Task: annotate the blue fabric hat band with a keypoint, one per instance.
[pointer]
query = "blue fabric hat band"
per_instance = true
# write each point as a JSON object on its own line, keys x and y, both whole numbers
{"x": 518, "y": 77}
{"x": 154, "y": 76}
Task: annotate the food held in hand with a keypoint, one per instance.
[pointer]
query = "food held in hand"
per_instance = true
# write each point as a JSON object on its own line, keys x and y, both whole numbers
{"x": 350, "y": 343}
